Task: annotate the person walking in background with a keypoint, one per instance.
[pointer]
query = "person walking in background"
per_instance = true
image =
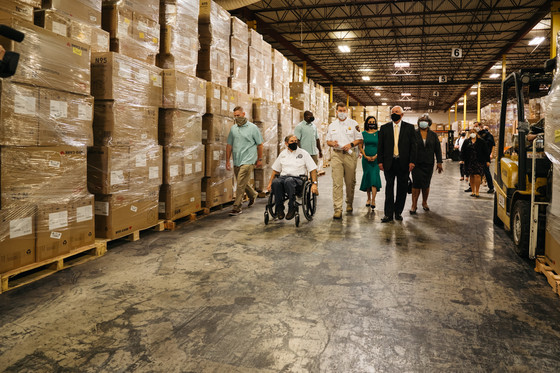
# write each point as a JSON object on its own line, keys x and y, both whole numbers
{"x": 490, "y": 143}
{"x": 476, "y": 156}
{"x": 371, "y": 178}
{"x": 458, "y": 145}
{"x": 342, "y": 136}
{"x": 245, "y": 142}
{"x": 308, "y": 137}
{"x": 396, "y": 155}
{"x": 428, "y": 147}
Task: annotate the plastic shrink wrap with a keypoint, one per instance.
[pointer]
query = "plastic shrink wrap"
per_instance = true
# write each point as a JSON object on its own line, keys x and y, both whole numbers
{"x": 239, "y": 49}
{"x": 179, "y": 35}
{"x": 214, "y": 55}
{"x": 86, "y": 11}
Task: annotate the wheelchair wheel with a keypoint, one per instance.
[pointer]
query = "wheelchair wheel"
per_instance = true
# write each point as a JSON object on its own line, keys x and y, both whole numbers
{"x": 297, "y": 220}
{"x": 270, "y": 205}
{"x": 309, "y": 202}
{"x": 266, "y": 217}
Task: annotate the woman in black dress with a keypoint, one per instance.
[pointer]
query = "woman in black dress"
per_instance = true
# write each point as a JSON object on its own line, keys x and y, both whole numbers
{"x": 428, "y": 147}
{"x": 476, "y": 157}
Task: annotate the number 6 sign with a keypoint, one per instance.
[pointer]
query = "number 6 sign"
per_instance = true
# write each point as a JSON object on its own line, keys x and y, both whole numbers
{"x": 457, "y": 52}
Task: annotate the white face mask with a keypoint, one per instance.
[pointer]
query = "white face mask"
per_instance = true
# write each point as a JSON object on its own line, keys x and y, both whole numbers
{"x": 423, "y": 125}
{"x": 473, "y": 135}
{"x": 342, "y": 116}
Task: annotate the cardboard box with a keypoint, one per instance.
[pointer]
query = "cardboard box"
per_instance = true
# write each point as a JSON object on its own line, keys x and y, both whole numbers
{"x": 216, "y": 161}
{"x": 179, "y": 128}
{"x": 19, "y": 114}
{"x": 246, "y": 102}
{"x": 216, "y": 191}
{"x": 47, "y": 59}
{"x": 215, "y": 129}
{"x": 213, "y": 98}
{"x": 88, "y": 11}
{"x": 181, "y": 91}
{"x": 36, "y": 174}
{"x": 117, "y": 77}
{"x": 180, "y": 200}
{"x": 229, "y": 101}
{"x": 63, "y": 227}
{"x": 18, "y": 9}
{"x": 194, "y": 163}
{"x": 65, "y": 118}
{"x": 120, "y": 214}
{"x": 118, "y": 123}
{"x": 146, "y": 166}
{"x": 53, "y": 21}
{"x": 108, "y": 169}
{"x": 17, "y": 237}
{"x": 148, "y": 8}
{"x": 239, "y": 29}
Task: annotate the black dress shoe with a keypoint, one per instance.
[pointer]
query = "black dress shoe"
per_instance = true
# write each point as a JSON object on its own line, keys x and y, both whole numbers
{"x": 490, "y": 191}
{"x": 398, "y": 217}
{"x": 386, "y": 219}
{"x": 291, "y": 213}
{"x": 468, "y": 190}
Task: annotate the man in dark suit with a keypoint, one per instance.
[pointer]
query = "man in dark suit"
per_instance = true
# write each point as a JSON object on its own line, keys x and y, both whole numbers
{"x": 396, "y": 159}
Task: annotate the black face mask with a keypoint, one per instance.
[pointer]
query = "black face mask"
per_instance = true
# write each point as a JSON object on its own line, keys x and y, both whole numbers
{"x": 311, "y": 120}
{"x": 395, "y": 117}
{"x": 372, "y": 126}
{"x": 292, "y": 146}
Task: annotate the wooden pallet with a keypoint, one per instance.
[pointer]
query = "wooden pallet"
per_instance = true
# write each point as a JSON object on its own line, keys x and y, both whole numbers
{"x": 170, "y": 225}
{"x": 36, "y": 271}
{"x": 542, "y": 266}
{"x": 135, "y": 236}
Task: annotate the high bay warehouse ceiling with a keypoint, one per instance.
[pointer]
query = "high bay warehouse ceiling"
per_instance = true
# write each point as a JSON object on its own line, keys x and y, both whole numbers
{"x": 396, "y": 52}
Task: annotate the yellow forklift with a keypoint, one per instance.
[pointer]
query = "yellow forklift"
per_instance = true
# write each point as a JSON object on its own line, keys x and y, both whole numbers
{"x": 523, "y": 175}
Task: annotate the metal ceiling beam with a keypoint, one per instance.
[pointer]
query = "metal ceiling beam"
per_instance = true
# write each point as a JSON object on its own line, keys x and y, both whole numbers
{"x": 411, "y": 14}
{"x": 412, "y": 83}
{"x": 325, "y": 5}
{"x": 532, "y": 22}
{"x": 266, "y": 28}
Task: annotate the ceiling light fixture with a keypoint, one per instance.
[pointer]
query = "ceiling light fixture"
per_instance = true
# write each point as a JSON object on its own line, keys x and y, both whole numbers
{"x": 537, "y": 40}
{"x": 402, "y": 64}
{"x": 473, "y": 93}
{"x": 494, "y": 76}
{"x": 365, "y": 78}
{"x": 366, "y": 70}
{"x": 377, "y": 94}
{"x": 405, "y": 94}
{"x": 384, "y": 103}
{"x": 461, "y": 104}
{"x": 344, "y": 48}
{"x": 497, "y": 66}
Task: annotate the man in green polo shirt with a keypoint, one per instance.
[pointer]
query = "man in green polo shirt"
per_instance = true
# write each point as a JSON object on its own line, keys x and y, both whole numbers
{"x": 308, "y": 137}
{"x": 245, "y": 142}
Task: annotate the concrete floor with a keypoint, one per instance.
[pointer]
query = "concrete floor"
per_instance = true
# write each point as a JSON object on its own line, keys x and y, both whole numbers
{"x": 440, "y": 291}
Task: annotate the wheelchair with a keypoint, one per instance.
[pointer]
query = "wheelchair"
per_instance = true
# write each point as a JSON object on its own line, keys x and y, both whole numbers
{"x": 304, "y": 198}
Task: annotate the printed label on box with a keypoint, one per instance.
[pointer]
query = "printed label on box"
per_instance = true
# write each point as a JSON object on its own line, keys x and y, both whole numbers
{"x": 101, "y": 208}
{"x": 59, "y": 109}
{"x": 223, "y": 164}
{"x": 102, "y": 41}
{"x": 216, "y": 155}
{"x": 198, "y": 167}
{"x": 84, "y": 213}
{"x": 180, "y": 96}
{"x": 25, "y": 105}
{"x": 93, "y": 19}
{"x": 21, "y": 227}
{"x": 133, "y": 208}
{"x": 56, "y": 235}
{"x": 173, "y": 170}
{"x": 202, "y": 102}
{"x": 193, "y": 199}
{"x": 203, "y": 196}
{"x": 85, "y": 112}
{"x": 58, "y": 220}
{"x": 157, "y": 80}
{"x": 117, "y": 177}
{"x": 217, "y": 93}
{"x": 54, "y": 164}
{"x": 224, "y": 105}
{"x": 161, "y": 208}
{"x": 125, "y": 71}
{"x": 59, "y": 28}
{"x": 143, "y": 76}
{"x": 144, "y": 136}
{"x": 188, "y": 169}
{"x": 153, "y": 172}
{"x": 204, "y": 134}
{"x": 141, "y": 160}
{"x": 192, "y": 99}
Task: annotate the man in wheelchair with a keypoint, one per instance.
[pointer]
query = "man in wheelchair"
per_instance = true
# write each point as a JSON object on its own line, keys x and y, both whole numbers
{"x": 292, "y": 165}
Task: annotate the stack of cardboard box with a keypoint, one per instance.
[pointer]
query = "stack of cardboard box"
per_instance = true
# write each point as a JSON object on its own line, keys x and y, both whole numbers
{"x": 265, "y": 115}
{"x": 79, "y": 20}
{"x": 256, "y": 65}
{"x": 180, "y": 132}
{"x": 45, "y": 126}
{"x": 267, "y": 92}
{"x": 300, "y": 96}
{"x": 214, "y": 57}
{"x": 179, "y": 35}
{"x": 133, "y": 27}
{"x": 125, "y": 166}
{"x": 280, "y": 81}
{"x": 285, "y": 124}
{"x": 239, "y": 48}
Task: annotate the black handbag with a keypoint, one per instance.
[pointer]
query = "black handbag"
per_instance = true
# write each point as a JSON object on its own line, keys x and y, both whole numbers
{"x": 409, "y": 189}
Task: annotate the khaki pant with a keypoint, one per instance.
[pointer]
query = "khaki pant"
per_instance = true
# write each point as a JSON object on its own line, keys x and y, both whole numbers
{"x": 343, "y": 170}
{"x": 315, "y": 159}
{"x": 243, "y": 176}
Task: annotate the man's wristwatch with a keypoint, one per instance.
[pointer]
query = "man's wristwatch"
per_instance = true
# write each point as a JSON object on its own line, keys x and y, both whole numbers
{"x": 315, "y": 182}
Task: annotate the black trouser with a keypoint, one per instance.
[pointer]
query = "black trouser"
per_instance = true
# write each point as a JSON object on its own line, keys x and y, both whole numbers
{"x": 289, "y": 185}
{"x": 392, "y": 205}
{"x": 488, "y": 176}
{"x": 462, "y": 169}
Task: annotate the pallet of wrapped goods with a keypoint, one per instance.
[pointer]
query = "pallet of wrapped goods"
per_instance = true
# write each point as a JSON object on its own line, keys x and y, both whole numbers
{"x": 179, "y": 35}
{"x": 87, "y": 11}
{"x": 183, "y": 163}
{"x": 215, "y": 129}
{"x": 64, "y": 25}
{"x": 285, "y": 124}
{"x": 124, "y": 79}
{"x": 47, "y": 59}
{"x": 147, "y": 8}
{"x": 180, "y": 199}
{"x": 300, "y": 96}
{"x": 17, "y": 236}
{"x": 180, "y": 127}
{"x": 217, "y": 191}
{"x": 184, "y": 92}
{"x": 18, "y": 9}
{"x": 133, "y": 34}
{"x": 214, "y": 54}
{"x": 239, "y": 51}
{"x": 245, "y": 101}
